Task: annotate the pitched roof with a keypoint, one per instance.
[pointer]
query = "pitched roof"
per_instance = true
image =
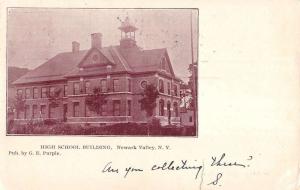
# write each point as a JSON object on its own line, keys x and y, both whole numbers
{"x": 64, "y": 65}
{"x": 53, "y": 69}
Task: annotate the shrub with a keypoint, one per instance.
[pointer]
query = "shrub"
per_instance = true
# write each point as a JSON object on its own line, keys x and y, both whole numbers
{"x": 117, "y": 129}
{"x": 155, "y": 122}
{"x": 50, "y": 122}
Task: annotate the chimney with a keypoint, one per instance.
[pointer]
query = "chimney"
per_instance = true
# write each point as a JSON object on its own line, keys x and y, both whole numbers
{"x": 75, "y": 46}
{"x": 96, "y": 40}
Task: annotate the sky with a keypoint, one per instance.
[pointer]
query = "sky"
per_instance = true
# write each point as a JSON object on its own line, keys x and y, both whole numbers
{"x": 36, "y": 35}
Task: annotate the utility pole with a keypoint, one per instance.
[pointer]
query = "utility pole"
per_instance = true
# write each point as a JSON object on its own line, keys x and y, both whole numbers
{"x": 194, "y": 75}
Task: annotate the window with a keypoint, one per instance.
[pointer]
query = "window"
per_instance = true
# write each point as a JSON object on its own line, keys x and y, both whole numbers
{"x": 26, "y": 112}
{"x": 163, "y": 63}
{"x": 27, "y": 93}
{"x": 65, "y": 111}
{"x": 43, "y": 111}
{"x": 161, "y": 107}
{"x": 161, "y": 86}
{"x": 34, "y": 111}
{"x": 129, "y": 107}
{"x": 103, "y": 85}
{"x": 144, "y": 84}
{"x": 52, "y": 91}
{"x": 65, "y": 90}
{"x": 191, "y": 119}
{"x": 169, "y": 88}
{"x": 18, "y": 114}
{"x": 129, "y": 85}
{"x": 104, "y": 108}
{"x": 76, "y": 109}
{"x": 44, "y": 92}
{"x": 175, "y": 107}
{"x": 175, "y": 90}
{"x": 35, "y": 93}
{"x": 51, "y": 111}
{"x": 116, "y": 107}
{"x": 76, "y": 89}
{"x": 87, "y": 86}
{"x": 116, "y": 85}
{"x": 95, "y": 58}
{"x": 19, "y": 93}
{"x": 87, "y": 111}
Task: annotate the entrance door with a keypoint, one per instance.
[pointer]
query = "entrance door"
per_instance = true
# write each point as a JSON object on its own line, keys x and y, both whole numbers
{"x": 169, "y": 112}
{"x": 65, "y": 112}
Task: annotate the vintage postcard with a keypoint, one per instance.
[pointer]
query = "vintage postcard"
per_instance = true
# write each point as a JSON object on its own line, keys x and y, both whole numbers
{"x": 138, "y": 79}
{"x": 150, "y": 95}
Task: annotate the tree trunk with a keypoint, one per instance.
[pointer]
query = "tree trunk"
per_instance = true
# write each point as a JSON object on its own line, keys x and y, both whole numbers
{"x": 149, "y": 124}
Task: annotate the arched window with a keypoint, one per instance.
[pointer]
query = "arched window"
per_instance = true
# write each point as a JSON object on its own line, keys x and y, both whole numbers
{"x": 175, "y": 107}
{"x": 161, "y": 86}
{"x": 175, "y": 90}
{"x": 161, "y": 107}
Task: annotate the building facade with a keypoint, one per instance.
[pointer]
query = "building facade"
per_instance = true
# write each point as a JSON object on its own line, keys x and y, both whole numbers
{"x": 121, "y": 73}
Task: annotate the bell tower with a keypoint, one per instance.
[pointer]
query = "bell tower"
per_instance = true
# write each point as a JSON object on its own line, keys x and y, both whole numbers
{"x": 127, "y": 34}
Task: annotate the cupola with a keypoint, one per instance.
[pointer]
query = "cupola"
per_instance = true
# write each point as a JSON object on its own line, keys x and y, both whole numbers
{"x": 127, "y": 34}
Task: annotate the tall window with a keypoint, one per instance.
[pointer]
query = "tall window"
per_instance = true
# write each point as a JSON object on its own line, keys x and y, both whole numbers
{"x": 116, "y": 107}
{"x": 27, "y": 93}
{"x": 116, "y": 85}
{"x": 26, "y": 112}
{"x": 104, "y": 108}
{"x": 103, "y": 84}
{"x": 76, "y": 88}
{"x": 18, "y": 114}
{"x": 161, "y": 86}
{"x": 35, "y": 93}
{"x": 161, "y": 107}
{"x": 44, "y": 92}
{"x": 175, "y": 90}
{"x": 43, "y": 111}
{"x": 87, "y": 111}
{"x": 169, "y": 88}
{"x": 76, "y": 109}
{"x": 175, "y": 107}
{"x": 87, "y": 86}
{"x": 35, "y": 111}
{"x": 129, "y": 85}
{"x": 129, "y": 107}
{"x": 52, "y": 91}
{"x": 191, "y": 119}
{"x": 65, "y": 90}
{"x": 163, "y": 63}
{"x": 51, "y": 111}
{"x": 19, "y": 93}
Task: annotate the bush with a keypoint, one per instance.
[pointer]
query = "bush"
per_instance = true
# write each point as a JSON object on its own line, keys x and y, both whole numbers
{"x": 50, "y": 122}
{"x": 155, "y": 122}
{"x": 125, "y": 129}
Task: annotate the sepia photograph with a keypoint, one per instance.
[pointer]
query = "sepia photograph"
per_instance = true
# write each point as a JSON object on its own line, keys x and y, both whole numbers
{"x": 102, "y": 72}
{"x": 172, "y": 95}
